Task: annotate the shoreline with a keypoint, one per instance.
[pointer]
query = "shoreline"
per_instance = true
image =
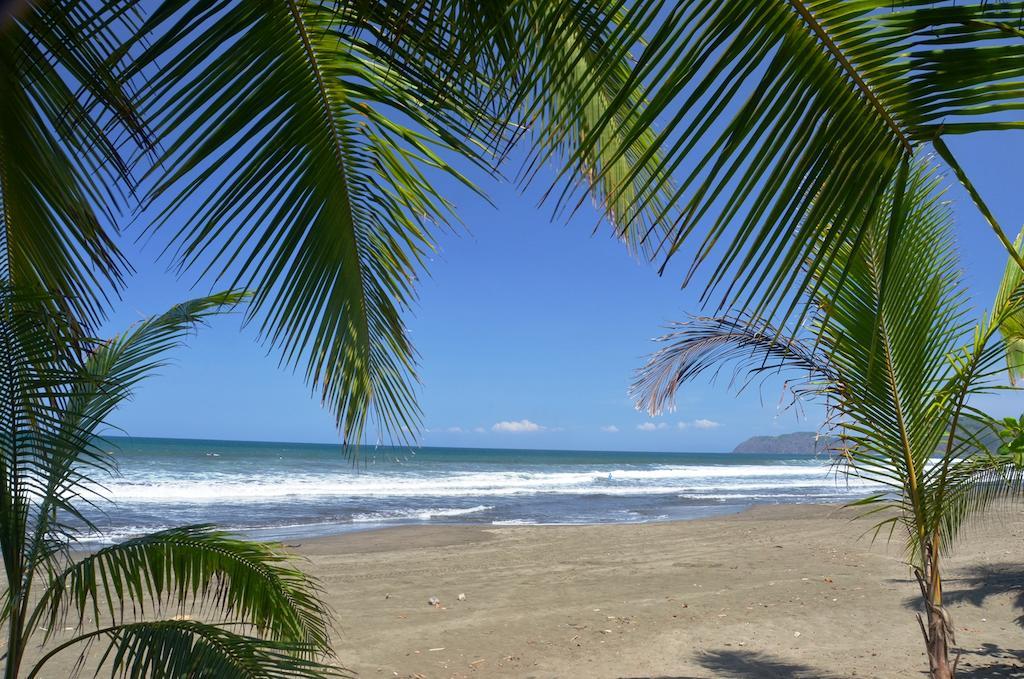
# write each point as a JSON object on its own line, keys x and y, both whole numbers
{"x": 337, "y": 530}
{"x": 453, "y": 530}
{"x": 328, "y": 530}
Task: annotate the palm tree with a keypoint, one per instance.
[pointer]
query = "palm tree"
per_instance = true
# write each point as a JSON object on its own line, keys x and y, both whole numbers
{"x": 257, "y": 615}
{"x": 295, "y": 147}
{"x": 897, "y": 373}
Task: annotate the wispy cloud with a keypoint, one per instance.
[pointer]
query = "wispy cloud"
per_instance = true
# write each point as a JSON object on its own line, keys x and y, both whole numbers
{"x": 454, "y": 430}
{"x": 610, "y": 428}
{"x": 700, "y": 423}
{"x": 479, "y": 430}
{"x": 516, "y": 426}
{"x": 651, "y": 426}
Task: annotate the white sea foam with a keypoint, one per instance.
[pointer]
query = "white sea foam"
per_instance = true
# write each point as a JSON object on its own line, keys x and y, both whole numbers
{"x": 118, "y": 534}
{"x": 417, "y": 514}
{"x": 239, "y": 487}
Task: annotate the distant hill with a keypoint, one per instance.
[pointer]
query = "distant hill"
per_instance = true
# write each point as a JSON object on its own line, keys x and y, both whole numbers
{"x": 796, "y": 443}
{"x": 804, "y": 443}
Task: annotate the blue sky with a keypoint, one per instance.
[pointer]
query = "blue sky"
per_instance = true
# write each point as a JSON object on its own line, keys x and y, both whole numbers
{"x": 528, "y": 332}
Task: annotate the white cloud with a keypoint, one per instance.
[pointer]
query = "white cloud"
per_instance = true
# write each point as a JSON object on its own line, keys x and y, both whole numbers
{"x": 610, "y": 429}
{"x": 651, "y": 426}
{"x": 700, "y": 423}
{"x": 479, "y": 430}
{"x": 516, "y": 426}
{"x": 454, "y": 430}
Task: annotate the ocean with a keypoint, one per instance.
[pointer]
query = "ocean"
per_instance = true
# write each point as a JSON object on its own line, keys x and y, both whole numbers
{"x": 284, "y": 491}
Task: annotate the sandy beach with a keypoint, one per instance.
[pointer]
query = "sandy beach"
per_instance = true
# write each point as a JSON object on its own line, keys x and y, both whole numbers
{"x": 775, "y": 591}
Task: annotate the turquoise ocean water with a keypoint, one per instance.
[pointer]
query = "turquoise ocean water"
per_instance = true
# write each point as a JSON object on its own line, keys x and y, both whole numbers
{"x": 288, "y": 490}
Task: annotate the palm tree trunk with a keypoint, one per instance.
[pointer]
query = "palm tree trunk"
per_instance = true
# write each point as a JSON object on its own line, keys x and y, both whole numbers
{"x": 936, "y": 625}
{"x": 15, "y": 639}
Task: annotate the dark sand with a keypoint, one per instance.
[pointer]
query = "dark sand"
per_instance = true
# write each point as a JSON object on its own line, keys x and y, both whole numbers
{"x": 783, "y": 591}
{"x": 779, "y": 591}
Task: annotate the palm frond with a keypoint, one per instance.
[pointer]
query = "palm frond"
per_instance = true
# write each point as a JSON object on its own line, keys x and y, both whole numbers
{"x": 1012, "y": 325}
{"x": 702, "y": 344}
{"x": 303, "y": 162}
{"x": 54, "y": 397}
{"x": 973, "y": 485}
{"x": 300, "y": 164}
{"x": 100, "y": 382}
{"x": 64, "y": 121}
{"x": 570, "y": 63}
{"x": 196, "y": 569}
{"x": 57, "y": 389}
{"x": 887, "y": 353}
{"x": 37, "y": 365}
{"x": 782, "y": 120}
{"x": 170, "y": 649}
{"x": 892, "y": 319}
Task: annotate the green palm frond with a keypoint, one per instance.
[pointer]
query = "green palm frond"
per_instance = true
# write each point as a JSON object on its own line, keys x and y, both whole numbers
{"x": 1012, "y": 325}
{"x": 892, "y": 319}
{"x": 64, "y": 120}
{"x": 570, "y": 64}
{"x": 783, "y": 119}
{"x": 299, "y": 164}
{"x": 196, "y": 569}
{"x": 97, "y": 384}
{"x": 37, "y": 365}
{"x": 171, "y": 649}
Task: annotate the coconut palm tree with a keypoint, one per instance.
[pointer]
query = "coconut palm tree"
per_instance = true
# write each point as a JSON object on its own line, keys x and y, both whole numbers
{"x": 896, "y": 371}
{"x": 298, "y": 148}
{"x": 255, "y": 614}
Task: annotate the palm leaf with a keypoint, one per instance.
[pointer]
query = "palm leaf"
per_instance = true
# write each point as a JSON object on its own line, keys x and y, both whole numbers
{"x": 784, "y": 119}
{"x": 101, "y": 381}
{"x": 707, "y": 344}
{"x": 193, "y": 568}
{"x": 171, "y": 649}
{"x": 570, "y": 64}
{"x": 55, "y": 395}
{"x": 303, "y": 163}
{"x": 63, "y": 123}
{"x": 1012, "y": 325}
{"x": 37, "y": 364}
{"x": 298, "y": 164}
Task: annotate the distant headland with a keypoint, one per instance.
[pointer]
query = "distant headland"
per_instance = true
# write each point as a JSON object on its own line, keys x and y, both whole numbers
{"x": 795, "y": 443}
